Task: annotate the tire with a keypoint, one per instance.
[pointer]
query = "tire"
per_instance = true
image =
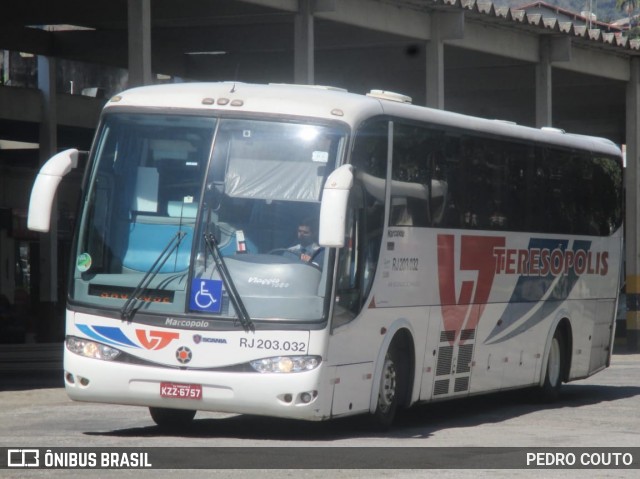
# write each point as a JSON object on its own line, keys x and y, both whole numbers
{"x": 392, "y": 384}
{"x": 171, "y": 419}
{"x": 555, "y": 368}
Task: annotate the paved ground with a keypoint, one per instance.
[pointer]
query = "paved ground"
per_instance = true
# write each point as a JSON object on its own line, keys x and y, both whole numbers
{"x": 602, "y": 411}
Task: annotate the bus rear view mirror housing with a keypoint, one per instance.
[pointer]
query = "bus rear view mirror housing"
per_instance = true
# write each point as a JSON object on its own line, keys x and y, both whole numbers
{"x": 45, "y": 187}
{"x": 333, "y": 210}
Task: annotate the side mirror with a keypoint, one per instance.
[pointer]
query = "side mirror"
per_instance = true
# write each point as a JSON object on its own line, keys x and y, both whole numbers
{"x": 333, "y": 209}
{"x": 45, "y": 187}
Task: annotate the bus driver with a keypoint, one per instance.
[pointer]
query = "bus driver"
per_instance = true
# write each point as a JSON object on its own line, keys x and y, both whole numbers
{"x": 307, "y": 248}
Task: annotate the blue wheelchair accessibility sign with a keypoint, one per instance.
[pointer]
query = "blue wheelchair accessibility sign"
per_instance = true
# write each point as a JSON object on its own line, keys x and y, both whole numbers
{"x": 206, "y": 295}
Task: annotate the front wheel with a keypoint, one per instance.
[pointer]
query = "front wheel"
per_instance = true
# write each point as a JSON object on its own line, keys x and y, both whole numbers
{"x": 555, "y": 368}
{"x": 391, "y": 385}
{"x": 171, "y": 419}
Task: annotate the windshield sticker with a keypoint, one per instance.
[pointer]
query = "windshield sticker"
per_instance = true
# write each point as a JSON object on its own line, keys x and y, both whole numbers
{"x": 206, "y": 295}
{"x": 83, "y": 262}
{"x": 320, "y": 156}
{"x": 270, "y": 282}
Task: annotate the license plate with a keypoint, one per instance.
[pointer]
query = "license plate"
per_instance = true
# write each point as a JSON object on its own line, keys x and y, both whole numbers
{"x": 180, "y": 391}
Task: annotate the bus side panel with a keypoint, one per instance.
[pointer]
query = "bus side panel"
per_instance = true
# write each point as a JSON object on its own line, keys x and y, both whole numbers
{"x": 602, "y": 330}
{"x": 459, "y": 362}
{"x": 452, "y": 347}
{"x": 430, "y": 356}
{"x": 351, "y": 355}
{"x": 356, "y": 348}
{"x": 352, "y": 389}
{"x": 581, "y": 317}
{"x": 513, "y": 362}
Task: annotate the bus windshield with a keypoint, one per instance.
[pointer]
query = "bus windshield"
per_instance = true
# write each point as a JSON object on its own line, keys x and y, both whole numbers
{"x": 167, "y": 192}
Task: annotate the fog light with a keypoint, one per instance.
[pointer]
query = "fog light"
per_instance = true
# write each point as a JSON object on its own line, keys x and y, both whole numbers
{"x": 306, "y": 398}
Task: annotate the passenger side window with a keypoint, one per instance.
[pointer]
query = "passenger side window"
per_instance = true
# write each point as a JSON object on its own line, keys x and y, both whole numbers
{"x": 452, "y": 178}
{"x": 492, "y": 193}
{"x": 418, "y": 190}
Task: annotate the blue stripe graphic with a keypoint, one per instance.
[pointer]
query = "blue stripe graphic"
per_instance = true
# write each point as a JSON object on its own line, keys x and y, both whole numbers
{"x": 530, "y": 290}
{"x": 107, "y": 334}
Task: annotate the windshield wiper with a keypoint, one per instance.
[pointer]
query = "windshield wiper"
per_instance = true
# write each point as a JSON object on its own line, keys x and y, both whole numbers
{"x": 234, "y": 297}
{"x": 134, "y": 303}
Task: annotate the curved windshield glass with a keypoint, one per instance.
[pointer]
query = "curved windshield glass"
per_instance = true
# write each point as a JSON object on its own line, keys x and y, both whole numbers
{"x": 174, "y": 199}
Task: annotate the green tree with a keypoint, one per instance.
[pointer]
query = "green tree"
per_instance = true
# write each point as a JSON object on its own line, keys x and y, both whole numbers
{"x": 627, "y": 6}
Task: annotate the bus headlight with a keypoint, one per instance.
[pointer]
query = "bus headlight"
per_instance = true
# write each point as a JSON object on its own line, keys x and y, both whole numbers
{"x": 91, "y": 349}
{"x": 286, "y": 364}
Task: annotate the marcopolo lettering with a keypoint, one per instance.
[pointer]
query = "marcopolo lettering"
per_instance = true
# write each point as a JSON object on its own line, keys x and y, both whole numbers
{"x": 187, "y": 323}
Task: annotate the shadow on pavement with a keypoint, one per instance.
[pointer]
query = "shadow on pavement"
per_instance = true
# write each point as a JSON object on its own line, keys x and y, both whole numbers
{"x": 23, "y": 380}
{"x": 417, "y": 422}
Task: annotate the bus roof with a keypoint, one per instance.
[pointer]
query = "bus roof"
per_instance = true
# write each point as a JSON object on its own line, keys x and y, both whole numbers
{"x": 329, "y": 103}
{"x": 294, "y": 100}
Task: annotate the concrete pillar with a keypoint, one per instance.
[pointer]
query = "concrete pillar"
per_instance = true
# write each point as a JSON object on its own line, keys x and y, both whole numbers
{"x": 544, "y": 89}
{"x": 632, "y": 219}
{"x": 139, "y": 34}
{"x": 552, "y": 49}
{"x": 303, "y": 44}
{"x": 48, "y": 147}
{"x": 7, "y": 264}
{"x": 6, "y": 68}
{"x": 444, "y": 26}
{"x": 435, "y": 68}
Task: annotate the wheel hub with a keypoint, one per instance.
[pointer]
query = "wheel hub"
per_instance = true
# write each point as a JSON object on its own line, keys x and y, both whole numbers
{"x": 387, "y": 385}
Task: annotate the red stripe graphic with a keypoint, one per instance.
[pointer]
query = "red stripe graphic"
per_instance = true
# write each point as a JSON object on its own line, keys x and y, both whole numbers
{"x": 476, "y": 254}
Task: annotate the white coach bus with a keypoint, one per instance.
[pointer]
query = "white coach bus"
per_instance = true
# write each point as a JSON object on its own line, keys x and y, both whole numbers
{"x": 449, "y": 255}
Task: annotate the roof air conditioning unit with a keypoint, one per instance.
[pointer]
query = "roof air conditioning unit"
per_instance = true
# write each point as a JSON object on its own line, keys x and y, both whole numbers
{"x": 389, "y": 95}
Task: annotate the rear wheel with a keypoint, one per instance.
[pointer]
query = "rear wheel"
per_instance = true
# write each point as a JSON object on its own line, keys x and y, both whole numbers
{"x": 171, "y": 418}
{"x": 555, "y": 368}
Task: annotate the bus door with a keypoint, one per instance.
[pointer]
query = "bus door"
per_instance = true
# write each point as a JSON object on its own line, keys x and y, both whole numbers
{"x": 354, "y": 338}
